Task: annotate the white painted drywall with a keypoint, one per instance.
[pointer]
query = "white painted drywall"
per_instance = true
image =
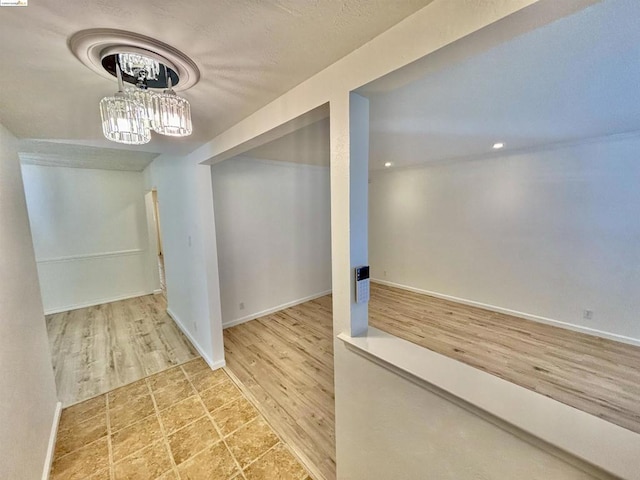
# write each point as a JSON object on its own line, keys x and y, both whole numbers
{"x": 186, "y": 215}
{"x": 90, "y": 235}
{"x": 27, "y": 389}
{"x": 548, "y": 233}
{"x": 440, "y": 23}
{"x": 273, "y": 234}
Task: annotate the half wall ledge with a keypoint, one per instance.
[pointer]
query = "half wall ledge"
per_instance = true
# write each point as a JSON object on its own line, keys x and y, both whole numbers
{"x": 535, "y": 418}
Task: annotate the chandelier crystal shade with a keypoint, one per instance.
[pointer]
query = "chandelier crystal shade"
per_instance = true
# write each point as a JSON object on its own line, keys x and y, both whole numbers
{"x": 124, "y": 120}
{"x": 171, "y": 113}
{"x": 144, "y": 98}
{"x": 130, "y": 63}
{"x": 129, "y": 115}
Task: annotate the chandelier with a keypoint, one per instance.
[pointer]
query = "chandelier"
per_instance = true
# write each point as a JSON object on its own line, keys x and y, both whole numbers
{"x": 132, "y": 113}
{"x": 147, "y": 72}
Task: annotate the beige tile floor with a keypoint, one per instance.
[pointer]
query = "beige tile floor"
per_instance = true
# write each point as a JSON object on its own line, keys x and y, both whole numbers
{"x": 187, "y": 423}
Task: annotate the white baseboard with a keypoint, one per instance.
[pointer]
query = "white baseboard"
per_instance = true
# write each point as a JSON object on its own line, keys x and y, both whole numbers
{"x": 48, "y": 461}
{"x": 93, "y": 303}
{"x": 157, "y": 291}
{"x": 515, "y": 313}
{"x": 194, "y": 342}
{"x": 269, "y": 311}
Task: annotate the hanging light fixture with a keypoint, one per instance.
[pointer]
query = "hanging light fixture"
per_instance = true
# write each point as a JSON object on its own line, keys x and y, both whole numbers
{"x": 151, "y": 70}
{"x": 143, "y": 70}
{"x": 129, "y": 115}
{"x": 124, "y": 119}
{"x": 171, "y": 113}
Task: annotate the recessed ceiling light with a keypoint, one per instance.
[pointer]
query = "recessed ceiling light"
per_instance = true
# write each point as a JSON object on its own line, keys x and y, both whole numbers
{"x": 498, "y": 146}
{"x": 388, "y": 164}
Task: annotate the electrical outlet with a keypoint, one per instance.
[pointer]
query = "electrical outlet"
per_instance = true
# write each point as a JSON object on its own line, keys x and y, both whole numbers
{"x": 241, "y": 305}
{"x": 195, "y": 326}
{"x": 189, "y": 240}
{"x": 384, "y": 274}
{"x": 587, "y": 314}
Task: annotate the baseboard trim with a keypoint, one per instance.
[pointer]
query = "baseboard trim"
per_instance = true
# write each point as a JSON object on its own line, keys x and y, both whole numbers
{"x": 93, "y": 303}
{"x": 213, "y": 364}
{"x": 515, "y": 313}
{"x": 275, "y": 309}
{"x": 48, "y": 461}
{"x": 157, "y": 291}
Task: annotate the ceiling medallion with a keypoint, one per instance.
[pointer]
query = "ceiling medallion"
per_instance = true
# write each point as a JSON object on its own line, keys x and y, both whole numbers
{"x": 129, "y": 115}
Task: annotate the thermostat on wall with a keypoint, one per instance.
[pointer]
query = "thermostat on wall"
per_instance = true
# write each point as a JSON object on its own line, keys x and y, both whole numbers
{"x": 362, "y": 284}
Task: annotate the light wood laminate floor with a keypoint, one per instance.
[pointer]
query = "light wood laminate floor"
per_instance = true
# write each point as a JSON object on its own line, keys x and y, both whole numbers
{"x": 596, "y": 375}
{"x": 285, "y": 363}
{"x": 97, "y": 349}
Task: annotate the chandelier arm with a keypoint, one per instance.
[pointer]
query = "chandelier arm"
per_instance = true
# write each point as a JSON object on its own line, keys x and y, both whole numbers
{"x": 119, "y": 75}
{"x": 169, "y": 82}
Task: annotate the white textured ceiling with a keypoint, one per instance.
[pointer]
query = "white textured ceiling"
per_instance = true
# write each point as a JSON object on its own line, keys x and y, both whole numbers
{"x": 575, "y": 79}
{"x": 249, "y": 52}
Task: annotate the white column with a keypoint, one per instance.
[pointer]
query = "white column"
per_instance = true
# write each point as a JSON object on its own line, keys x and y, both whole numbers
{"x": 349, "y": 208}
{"x": 210, "y": 257}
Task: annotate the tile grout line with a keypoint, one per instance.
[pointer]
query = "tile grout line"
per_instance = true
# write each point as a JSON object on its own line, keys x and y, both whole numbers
{"x": 86, "y": 445}
{"x": 254, "y": 403}
{"x": 198, "y": 393}
{"x": 129, "y": 455}
{"x": 156, "y": 414}
{"x": 215, "y": 425}
{"x": 156, "y": 410}
{"x": 222, "y": 437}
{"x": 82, "y": 446}
{"x": 261, "y": 416}
{"x": 243, "y": 425}
{"x": 111, "y": 432}
{"x": 264, "y": 453}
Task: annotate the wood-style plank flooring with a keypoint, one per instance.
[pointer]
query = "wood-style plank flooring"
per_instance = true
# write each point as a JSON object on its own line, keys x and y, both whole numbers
{"x": 598, "y": 376}
{"x": 285, "y": 363}
{"x": 97, "y": 349}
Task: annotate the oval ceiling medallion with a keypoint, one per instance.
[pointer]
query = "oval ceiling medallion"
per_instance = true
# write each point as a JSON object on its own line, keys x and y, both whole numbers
{"x": 96, "y": 48}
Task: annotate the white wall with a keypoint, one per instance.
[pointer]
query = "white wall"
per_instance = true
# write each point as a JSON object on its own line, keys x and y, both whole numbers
{"x": 27, "y": 389}
{"x": 548, "y": 233}
{"x": 438, "y": 24}
{"x": 273, "y": 233}
{"x": 90, "y": 235}
{"x": 185, "y": 200}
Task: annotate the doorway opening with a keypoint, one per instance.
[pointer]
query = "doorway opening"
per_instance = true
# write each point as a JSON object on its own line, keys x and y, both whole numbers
{"x": 272, "y": 205}
{"x": 155, "y": 236}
